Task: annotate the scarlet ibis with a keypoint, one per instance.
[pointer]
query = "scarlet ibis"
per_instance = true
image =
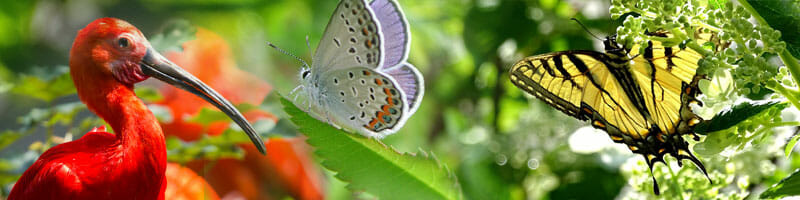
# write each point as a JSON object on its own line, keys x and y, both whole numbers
{"x": 107, "y": 57}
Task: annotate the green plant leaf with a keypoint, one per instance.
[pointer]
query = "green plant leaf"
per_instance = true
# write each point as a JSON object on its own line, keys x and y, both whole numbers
{"x": 371, "y": 166}
{"x": 5, "y": 87}
{"x": 786, "y": 187}
{"x": 46, "y": 86}
{"x": 225, "y": 145}
{"x": 173, "y": 35}
{"x": 782, "y": 15}
{"x": 790, "y": 146}
{"x": 483, "y": 34}
{"x": 732, "y": 116}
{"x": 717, "y": 3}
{"x": 62, "y": 114}
{"x": 7, "y": 137}
{"x": 209, "y": 115}
{"x": 479, "y": 176}
{"x": 148, "y": 94}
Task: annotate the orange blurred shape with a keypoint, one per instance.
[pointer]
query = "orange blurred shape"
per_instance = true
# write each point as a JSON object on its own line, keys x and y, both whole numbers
{"x": 295, "y": 173}
{"x": 287, "y": 166}
{"x": 209, "y": 58}
{"x": 282, "y": 170}
{"x": 183, "y": 183}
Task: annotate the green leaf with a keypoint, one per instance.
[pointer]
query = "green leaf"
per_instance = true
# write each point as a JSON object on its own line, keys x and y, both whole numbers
{"x": 738, "y": 113}
{"x": 371, "y": 166}
{"x": 7, "y": 137}
{"x": 62, "y": 114}
{"x": 5, "y": 87}
{"x": 148, "y": 94}
{"x": 483, "y": 33}
{"x": 782, "y": 15}
{"x": 717, "y": 3}
{"x": 479, "y": 176}
{"x": 790, "y": 146}
{"x": 173, "y": 35}
{"x": 45, "y": 86}
{"x": 787, "y": 187}
{"x": 209, "y": 115}
{"x": 225, "y": 145}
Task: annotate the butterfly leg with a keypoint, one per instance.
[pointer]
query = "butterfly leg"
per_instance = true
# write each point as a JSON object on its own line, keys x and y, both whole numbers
{"x": 294, "y": 92}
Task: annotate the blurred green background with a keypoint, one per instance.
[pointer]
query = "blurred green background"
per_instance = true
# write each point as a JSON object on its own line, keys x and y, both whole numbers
{"x": 500, "y": 143}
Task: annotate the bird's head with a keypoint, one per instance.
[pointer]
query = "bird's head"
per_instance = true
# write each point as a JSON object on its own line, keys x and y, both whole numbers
{"x": 110, "y": 47}
{"x": 113, "y": 47}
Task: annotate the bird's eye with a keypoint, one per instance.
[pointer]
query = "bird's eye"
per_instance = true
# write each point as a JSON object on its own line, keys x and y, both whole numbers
{"x": 305, "y": 74}
{"x": 123, "y": 42}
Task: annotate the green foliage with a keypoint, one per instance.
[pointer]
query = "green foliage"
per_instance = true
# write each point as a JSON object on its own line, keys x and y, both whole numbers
{"x": 738, "y": 113}
{"x": 148, "y": 94}
{"x": 45, "y": 84}
{"x": 784, "y": 16}
{"x": 739, "y": 151}
{"x": 7, "y": 137}
{"x": 209, "y": 115}
{"x": 173, "y": 35}
{"x": 224, "y": 145}
{"x": 479, "y": 179}
{"x": 372, "y": 166}
{"x": 788, "y": 186}
{"x": 501, "y": 144}
{"x": 483, "y": 34}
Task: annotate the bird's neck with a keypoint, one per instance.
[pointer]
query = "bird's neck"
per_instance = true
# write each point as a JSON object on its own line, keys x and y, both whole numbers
{"x": 135, "y": 127}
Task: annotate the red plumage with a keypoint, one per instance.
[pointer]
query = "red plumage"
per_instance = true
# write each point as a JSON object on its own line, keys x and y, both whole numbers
{"x": 102, "y": 165}
{"x": 107, "y": 57}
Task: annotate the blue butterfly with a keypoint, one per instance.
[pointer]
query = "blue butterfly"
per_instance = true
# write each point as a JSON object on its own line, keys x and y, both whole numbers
{"x": 359, "y": 79}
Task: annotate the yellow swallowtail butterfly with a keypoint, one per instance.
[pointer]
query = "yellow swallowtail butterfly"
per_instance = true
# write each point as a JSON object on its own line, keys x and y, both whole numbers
{"x": 640, "y": 98}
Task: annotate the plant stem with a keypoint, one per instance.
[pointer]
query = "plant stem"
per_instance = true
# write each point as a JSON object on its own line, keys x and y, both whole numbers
{"x": 787, "y": 93}
{"x": 673, "y": 180}
{"x": 792, "y": 64}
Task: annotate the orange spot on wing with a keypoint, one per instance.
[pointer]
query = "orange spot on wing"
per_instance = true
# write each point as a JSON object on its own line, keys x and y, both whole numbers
{"x": 378, "y": 81}
{"x": 385, "y": 108}
{"x": 372, "y": 123}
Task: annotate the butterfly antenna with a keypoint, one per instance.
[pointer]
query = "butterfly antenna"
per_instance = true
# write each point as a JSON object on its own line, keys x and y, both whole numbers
{"x": 287, "y": 53}
{"x": 584, "y": 28}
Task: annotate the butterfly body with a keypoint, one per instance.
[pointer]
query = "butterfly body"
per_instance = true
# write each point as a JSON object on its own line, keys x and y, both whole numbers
{"x": 359, "y": 79}
{"x": 639, "y": 99}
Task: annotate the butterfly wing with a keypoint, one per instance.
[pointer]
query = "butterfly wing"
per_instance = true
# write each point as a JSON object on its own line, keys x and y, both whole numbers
{"x": 411, "y": 83}
{"x": 667, "y": 77}
{"x": 364, "y": 79}
{"x": 582, "y": 85}
{"x": 394, "y": 29}
{"x": 642, "y": 102}
{"x": 365, "y": 100}
{"x": 352, "y": 38}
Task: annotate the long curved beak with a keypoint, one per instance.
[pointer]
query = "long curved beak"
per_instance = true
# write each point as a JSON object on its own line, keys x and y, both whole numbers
{"x": 155, "y": 65}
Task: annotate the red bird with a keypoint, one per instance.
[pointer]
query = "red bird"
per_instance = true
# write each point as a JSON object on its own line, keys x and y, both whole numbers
{"x": 106, "y": 59}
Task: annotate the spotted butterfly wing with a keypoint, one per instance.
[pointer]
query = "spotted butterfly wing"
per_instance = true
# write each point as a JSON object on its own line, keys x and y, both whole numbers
{"x": 641, "y": 100}
{"x": 365, "y": 100}
{"x": 352, "y": 38}
{"x": 361, "y": 80}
